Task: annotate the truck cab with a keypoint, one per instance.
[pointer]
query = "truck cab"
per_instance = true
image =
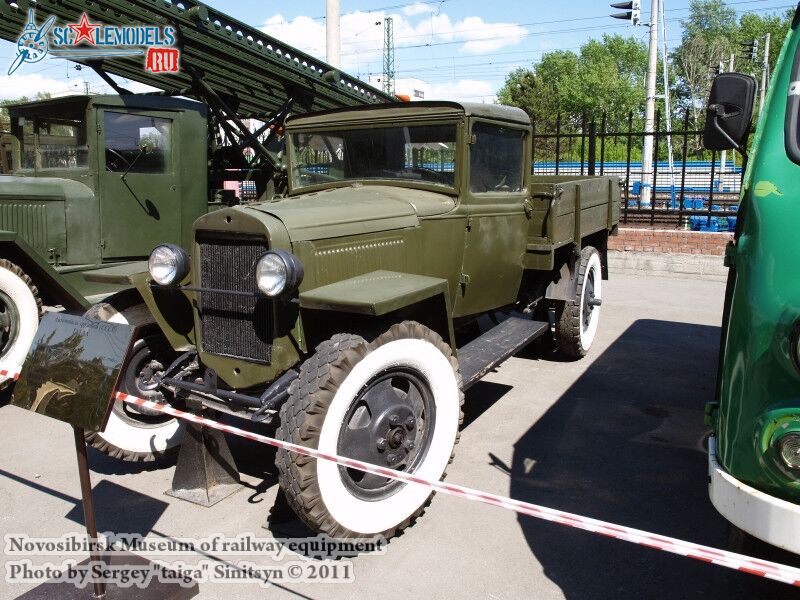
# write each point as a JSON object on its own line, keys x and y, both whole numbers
{"x": 95, "y": 183}
{"x": 96, "y": 179}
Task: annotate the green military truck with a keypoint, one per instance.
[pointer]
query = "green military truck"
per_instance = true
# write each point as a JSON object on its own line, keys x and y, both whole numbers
{"x": 337, "y": 309}
{"x": 97, "y": 181}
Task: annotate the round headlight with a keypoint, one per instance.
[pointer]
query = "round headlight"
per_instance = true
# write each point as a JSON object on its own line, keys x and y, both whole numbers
{"x": 168, "y": 264}
{"x": 789, "y": 449}
{"x": 278, "y": 272}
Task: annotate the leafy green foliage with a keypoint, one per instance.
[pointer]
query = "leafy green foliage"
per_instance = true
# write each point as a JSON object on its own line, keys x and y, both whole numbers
{"x": 711, "y": 35}
{"x": 607, "y": 75}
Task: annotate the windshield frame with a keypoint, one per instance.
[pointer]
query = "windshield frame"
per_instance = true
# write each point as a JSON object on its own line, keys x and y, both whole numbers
{"x": 453, "y": 190}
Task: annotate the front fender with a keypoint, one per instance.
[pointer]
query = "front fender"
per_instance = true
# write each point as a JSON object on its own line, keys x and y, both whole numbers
{"x": 53, "y": 286}
{"x": 389, "y": 294}
{"x": 376, "y": 293}
{"x": 172, "y": 310}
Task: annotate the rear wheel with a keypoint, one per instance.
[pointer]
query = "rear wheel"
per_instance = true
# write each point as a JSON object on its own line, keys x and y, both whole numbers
{"x": 395, "y": 402}
{"x": 578, "y": 318}
{"x": 136, "y": 434}
{"x": 20, "y": 309}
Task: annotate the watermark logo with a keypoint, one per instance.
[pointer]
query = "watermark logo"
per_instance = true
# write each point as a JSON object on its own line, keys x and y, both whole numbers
{"x": 32, "y": 44}
{"x": 86, "y": 40}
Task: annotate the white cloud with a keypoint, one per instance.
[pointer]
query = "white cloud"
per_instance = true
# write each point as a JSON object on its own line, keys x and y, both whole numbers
{"x": 28, "y": 85}
{"x": 362, "y": 34}
{"x": 417, "y": 9}
{"x": 18, "y": 85}
{"x": 468, "y": 90}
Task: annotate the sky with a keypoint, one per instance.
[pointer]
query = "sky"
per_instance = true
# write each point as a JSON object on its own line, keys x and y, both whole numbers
{"x": 446, "y": 49}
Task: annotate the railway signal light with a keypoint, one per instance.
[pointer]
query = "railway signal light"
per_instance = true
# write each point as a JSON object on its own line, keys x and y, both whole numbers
{"x": 633, "y": 11}
{"x": 750, "y": 50}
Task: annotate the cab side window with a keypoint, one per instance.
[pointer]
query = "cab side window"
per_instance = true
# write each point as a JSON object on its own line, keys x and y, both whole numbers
{"x": 496, "y": 159}
{"x": 136, "y": 143}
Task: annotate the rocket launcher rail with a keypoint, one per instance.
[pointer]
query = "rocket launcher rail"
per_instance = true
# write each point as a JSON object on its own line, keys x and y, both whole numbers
{"x": 252, "y": 73}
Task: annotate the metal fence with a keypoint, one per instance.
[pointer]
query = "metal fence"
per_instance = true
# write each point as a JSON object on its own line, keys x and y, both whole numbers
{"x": 697, "y": 189}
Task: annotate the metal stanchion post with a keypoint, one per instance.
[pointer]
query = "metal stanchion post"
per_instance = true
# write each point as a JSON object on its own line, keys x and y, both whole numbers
{"x": 88, "y": 504}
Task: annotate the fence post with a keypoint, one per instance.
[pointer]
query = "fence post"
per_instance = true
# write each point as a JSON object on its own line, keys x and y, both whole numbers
{"x": 558, "y": 142}
{"x": 683, "y": 169}
{"x": 592, "y": 146}
{"x": 628, "y": 166}
{"x": 711, "y": 186}
{"x": 653, "y": 193}
{"x": 603, "y": 128}
{"x": 583, "y": 141}
{"x": 533, "y": 146}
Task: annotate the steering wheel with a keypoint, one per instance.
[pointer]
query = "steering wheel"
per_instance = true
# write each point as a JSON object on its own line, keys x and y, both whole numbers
{"x": 435, "y": 176}
{"x": 116, "y": 156}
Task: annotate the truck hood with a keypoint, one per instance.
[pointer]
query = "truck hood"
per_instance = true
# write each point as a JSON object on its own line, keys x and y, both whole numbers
{"x": 14, "y": 187}
{"x": 354, "y": 210}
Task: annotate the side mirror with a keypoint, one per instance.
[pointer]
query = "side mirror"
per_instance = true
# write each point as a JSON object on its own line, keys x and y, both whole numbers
{"x": 730, "y": 108}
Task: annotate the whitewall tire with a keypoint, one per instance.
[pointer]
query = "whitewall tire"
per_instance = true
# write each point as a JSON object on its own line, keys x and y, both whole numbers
{"x": 20, "y": 310}
{"x": 395, "y": 402}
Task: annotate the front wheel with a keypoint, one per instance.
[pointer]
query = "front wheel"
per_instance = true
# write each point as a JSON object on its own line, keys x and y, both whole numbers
{"x": 577, "y": 318}
{"x": 135, "y": 434}
{"x": 395, "y": 402}
{"x": 20, "y": 309}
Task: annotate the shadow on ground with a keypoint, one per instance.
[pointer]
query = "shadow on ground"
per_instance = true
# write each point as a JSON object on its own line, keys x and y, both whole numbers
{"x": 625, "y": 444}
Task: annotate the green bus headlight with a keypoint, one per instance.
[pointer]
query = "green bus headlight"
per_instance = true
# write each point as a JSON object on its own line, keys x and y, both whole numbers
{"x": 789, "y": 449}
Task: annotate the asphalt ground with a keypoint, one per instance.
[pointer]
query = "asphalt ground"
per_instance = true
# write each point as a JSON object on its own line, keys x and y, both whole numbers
{"x": 618, "y": 436}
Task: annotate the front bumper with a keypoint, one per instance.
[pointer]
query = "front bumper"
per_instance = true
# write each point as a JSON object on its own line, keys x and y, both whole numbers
{"x": 770, "y": 519}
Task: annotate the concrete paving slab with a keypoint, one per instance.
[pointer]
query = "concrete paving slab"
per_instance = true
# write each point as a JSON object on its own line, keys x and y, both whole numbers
{"x": 617, "y": 436}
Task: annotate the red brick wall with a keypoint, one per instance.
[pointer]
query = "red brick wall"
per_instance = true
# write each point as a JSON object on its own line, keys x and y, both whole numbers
{"x": 670, "y": 241}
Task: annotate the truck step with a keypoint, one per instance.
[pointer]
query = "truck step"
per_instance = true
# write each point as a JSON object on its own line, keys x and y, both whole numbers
{"x": 501, "y": 342}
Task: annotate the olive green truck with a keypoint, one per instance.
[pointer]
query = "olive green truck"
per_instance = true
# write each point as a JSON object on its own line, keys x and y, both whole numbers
{"x": 348, "y": 303}
{"x": 337, "y": 310}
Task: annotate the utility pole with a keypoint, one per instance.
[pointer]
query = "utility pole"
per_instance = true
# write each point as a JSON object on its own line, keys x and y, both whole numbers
{"x": 388, "y": 55}
{"x": 650, "y": 107}
{"x": 332, "y": 35}
{"x": 764, "y": 74}
{"x": 667, "y": 103}
{"x": 723, "y": 156}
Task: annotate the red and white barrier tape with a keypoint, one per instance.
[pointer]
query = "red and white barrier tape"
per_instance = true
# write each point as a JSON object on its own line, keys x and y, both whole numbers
{"x": 739, "y": 562}
{"x": 10, "y": 373}
{"x": 724, "y": 558}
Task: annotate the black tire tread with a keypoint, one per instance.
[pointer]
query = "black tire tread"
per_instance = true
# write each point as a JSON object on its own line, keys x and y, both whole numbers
{"x": 302, "y": 416}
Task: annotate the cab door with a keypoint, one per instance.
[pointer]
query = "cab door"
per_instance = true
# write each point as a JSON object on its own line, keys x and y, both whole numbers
{"x": 137, "y": 181}
{"x": 497, "y": 222}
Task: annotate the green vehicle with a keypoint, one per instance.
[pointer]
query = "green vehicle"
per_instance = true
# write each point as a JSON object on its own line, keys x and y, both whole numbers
{"x": 754, "y": 454}
{"x": 337, "y": 310}
{"x": 95, "y": 182}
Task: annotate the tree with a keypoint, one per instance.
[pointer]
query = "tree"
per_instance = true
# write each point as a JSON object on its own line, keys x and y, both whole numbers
{"x": 607, "y": 75}
{"x": 755, "y": 27}
{"x": 711, "y": 34}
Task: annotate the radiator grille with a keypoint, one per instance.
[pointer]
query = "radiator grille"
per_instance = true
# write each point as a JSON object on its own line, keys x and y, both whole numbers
{"x": 238, "y": 326}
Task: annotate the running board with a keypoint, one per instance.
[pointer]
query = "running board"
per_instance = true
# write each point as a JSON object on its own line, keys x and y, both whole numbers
{"x": 501, "y": 342}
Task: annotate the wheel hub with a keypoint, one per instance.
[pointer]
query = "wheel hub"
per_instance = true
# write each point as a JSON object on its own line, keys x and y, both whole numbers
{"x": 386, "y": 424}
{"x": 9, "y": 323}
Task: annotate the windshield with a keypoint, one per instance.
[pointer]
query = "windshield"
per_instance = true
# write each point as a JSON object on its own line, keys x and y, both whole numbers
{"x": 422, "y": 154}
